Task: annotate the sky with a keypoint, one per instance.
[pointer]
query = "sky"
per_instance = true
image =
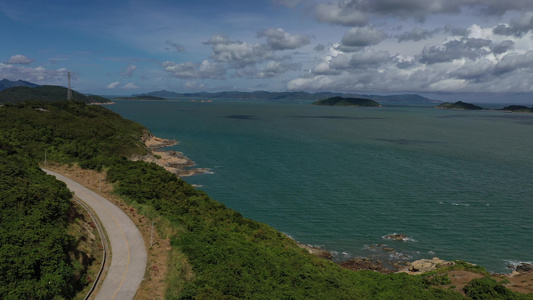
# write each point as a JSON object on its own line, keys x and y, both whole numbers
{"x": 123, "y": 47}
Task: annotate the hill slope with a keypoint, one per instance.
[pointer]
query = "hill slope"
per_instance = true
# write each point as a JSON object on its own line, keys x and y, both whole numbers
{"x": 5, "y": 84}
{"x": 45, "y": 93}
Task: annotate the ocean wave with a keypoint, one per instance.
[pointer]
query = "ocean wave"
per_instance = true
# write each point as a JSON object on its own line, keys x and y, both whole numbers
{"x": 511, "y": 263}
{"x": 460, "y": 204}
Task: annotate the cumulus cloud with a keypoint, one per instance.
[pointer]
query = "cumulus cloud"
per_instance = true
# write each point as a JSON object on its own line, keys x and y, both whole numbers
{"x": 470, "y": 48}
{"x": 278, "y": 39}
{"x": 477, "y": 71}
{"x": 355, "y": 12}
{"x": 359, "y": 37}
{"x": 517, "y": 27}
{"x": 189, "y": 70}
{"x": 130, "y": 86}
{"x": 128, "y": 72}
{"x": 344, "y": 13}
{"x": 19, "y": 60}
{"x": 513, "y": 62}
{"x": 38, "y": 74}
{"x": 113, "y": 85}
{"x": 237, "y": 54}
{"x": 275, "y": 68}
{"x": 502, "y": 47}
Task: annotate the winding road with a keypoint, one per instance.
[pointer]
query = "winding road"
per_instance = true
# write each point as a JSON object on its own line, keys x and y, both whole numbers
{"x": 128, "y": 253}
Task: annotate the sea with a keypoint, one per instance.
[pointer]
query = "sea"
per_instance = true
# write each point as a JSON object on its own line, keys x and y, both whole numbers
{"x": 457, "y": 184}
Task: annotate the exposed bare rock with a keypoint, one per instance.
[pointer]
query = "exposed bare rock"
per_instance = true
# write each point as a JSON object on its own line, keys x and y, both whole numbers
{"x": 427, "y": 265}
{"x": 317, "y": 251}
{"x": 524, "y": 268}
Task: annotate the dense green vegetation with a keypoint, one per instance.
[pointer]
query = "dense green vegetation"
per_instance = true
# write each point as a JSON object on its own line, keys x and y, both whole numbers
{"x": 68, "y": 132}
{"x": 340, "y": 101}
{"x": 34, "y": 244}
{"x": 459, "y": 105}
{"x": 231, "y": 256}
{"x": 45, "y": 93}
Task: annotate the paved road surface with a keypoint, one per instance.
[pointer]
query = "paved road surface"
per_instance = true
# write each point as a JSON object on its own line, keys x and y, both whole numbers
{"x": 128, "y": 254}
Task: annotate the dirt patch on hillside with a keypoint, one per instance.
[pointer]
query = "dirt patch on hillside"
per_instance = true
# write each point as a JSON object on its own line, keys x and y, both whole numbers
{"x": 153, "y": 285}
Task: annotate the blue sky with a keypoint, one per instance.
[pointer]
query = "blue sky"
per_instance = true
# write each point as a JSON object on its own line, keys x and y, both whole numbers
{"x": 365, "y": 46}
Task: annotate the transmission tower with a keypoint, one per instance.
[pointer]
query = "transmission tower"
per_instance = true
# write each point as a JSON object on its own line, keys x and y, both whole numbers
{"x": 69, "y": 93}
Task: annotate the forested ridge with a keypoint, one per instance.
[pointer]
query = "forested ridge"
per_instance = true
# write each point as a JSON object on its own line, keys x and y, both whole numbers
{"x": 231, "y": 257}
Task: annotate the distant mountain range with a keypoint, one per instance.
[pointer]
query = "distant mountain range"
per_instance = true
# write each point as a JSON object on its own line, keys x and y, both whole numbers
{"x": 21, "y": 91}
{"x": 5, "y": 84}
{"x": 298, "y": 96}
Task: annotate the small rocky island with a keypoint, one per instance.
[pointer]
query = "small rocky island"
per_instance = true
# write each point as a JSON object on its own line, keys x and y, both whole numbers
{"x": 353, "y": 102}
{"x": 518, "y": 108}
{"x": 459, "y": 105}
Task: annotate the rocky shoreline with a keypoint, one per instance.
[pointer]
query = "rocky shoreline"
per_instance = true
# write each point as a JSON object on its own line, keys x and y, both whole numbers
{"x": 173, "y": 161}
{"x": 519, "y": 280}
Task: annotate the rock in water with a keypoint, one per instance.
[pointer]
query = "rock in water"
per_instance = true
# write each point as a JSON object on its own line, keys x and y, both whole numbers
{"x": 524, "y": 268}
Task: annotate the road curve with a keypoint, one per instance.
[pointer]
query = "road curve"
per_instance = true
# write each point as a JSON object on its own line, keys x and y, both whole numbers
{"x": 128, "y": 253}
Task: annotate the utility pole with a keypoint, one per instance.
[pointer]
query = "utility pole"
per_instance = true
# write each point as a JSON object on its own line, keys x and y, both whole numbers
{"x": 69, "y": 93}
{"x": 45, "y": 158}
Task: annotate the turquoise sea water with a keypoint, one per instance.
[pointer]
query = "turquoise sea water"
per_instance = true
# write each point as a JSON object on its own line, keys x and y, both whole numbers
{"x": 458, "y": 183}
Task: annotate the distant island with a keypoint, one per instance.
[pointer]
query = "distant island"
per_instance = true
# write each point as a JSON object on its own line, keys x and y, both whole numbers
{"x": 352, "y": 102}
{"x": 518, "y": 109}
{"x": 459, "y": 105}
{"x": 144, "y": 97}
{"x": 283, "y": 96}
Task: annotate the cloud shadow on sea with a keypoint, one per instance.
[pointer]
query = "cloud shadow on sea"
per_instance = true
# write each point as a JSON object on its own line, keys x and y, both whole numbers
{"x": 408, "y": 142}
{"x": 335, "y": 117}
{"x": 242, "y": 117}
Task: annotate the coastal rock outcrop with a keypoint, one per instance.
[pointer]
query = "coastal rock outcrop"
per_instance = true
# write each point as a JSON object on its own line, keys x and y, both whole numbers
{"x": 524, "y": 268}
{"x": 397, "y": 237}
{"x": 427, "y": 265}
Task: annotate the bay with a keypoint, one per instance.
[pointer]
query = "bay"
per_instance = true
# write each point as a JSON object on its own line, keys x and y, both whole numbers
{"x": 458, "y": 183}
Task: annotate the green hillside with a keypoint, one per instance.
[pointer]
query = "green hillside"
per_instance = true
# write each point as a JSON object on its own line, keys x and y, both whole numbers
{"x": 45, "y": 93}
{"x": 340, "y": 101}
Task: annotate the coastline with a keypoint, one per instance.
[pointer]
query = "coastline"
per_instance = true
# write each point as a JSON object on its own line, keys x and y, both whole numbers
{"x": 173, "y": 161}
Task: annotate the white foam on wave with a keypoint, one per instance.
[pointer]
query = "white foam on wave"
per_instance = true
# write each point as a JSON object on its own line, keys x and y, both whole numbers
{"x": 514, "y": 263}
{"x": 460, "y": 204}
{"x": 390, "y": 237}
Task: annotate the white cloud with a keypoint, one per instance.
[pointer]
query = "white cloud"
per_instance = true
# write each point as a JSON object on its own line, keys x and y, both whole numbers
{"x": 278, "y": 39}
{"x": 189, "y": 70}
{"x": 19, "y": 60}
{"x": 131, "y": 86}
{"x": 37, "y": 75}
{"x": 341, "y": 13}
{"x": 361, "y": 37}
{"x": 113, "y": 85}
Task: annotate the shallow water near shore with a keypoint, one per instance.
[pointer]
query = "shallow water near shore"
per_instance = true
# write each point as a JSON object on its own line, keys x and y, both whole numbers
{"x": 458, "y": 183}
